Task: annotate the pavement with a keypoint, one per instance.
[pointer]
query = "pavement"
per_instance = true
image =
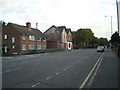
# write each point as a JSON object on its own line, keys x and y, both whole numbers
{"x": 107, "y": 76}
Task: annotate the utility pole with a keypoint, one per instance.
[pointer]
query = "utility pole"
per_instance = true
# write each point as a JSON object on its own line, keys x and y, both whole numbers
{"x": 118, "y": 13}
{"x": 111, "y": 29}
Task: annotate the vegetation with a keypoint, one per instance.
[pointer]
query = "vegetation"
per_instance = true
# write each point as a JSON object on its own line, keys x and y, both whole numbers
{"x": 115, "y": 39}
{"x": 85, "y": 38}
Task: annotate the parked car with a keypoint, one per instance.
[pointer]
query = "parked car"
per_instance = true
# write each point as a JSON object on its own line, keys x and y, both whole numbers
{"x": 100, "y": 49}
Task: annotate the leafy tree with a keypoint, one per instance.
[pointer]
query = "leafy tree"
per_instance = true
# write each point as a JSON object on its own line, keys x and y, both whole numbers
{"x": 115, "y": 38}
{"x": 103, "y": 41}
{"x": 86, "y": 38}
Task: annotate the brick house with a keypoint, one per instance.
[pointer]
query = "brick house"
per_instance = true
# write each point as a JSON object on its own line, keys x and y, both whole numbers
{"x": 17, "y": 39}
{"x": 59, "y": 37}
{"x": 0, "y": 37}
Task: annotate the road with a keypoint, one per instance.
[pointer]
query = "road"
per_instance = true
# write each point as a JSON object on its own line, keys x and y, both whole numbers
{"x": 67, "y": 69}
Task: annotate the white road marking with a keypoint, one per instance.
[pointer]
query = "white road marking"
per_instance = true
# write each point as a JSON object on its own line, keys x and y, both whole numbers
{"x": 19, "y": 58}
{"x": 37, "y": 63}
{"x": 74, "y": 63}
{"x": 35, "y": 85}
{"x": 5, "y": 57}
{"x": 49, "y": 77}
{"x": 64, "y": 69}
{"x": 67, "y": 67}
{"x": 95, "y": 73}
{"x": 57, "y": 73}
{"x": 12, "y": 70}
{"x": 100, "y": 58}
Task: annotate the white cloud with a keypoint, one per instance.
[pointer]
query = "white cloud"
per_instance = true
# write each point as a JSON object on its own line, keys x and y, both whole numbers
{"x": 74, "y": 14}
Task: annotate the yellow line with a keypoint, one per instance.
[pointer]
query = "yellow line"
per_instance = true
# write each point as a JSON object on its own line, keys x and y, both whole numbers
{"x": 91, "y": 71}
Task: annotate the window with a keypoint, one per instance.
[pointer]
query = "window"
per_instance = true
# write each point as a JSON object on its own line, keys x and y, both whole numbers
{"x": 6, "y": 49}
{"x": 13, "y": 47}
{"x": 38, "y": 38}
{"x": 44, "y": 46}
{"x": 38, "y": 47}
{"x": 44, "y": 39}
{"x": 13, "y": 40}
{"x": 31, "y": 47}
{"x": 23, "y": 37}
{"x": 31, "y": 37}
{"x": 6, "y": 36}
{"x": 23, "y": 47}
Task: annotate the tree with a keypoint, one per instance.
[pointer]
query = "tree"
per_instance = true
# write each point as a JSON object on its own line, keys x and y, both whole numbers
{"x": 115, "y": 38}
{"x": 86, "y": 38}
{"x": 103, "y": 41}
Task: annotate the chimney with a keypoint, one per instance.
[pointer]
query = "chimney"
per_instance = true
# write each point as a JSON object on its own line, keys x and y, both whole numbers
{"x": 28, "y": 25}
{"x": 36, "y": 25}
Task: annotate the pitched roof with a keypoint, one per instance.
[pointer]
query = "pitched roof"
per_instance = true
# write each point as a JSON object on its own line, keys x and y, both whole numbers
{"x": 25, "y": 30}
{"x": 68, "y": 30}
{"x": 61, "y": 28}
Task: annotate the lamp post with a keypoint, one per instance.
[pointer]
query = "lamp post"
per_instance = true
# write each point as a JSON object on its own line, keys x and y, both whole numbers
{"x": 118, "y": 17}
{"x": 111, "y": 24}
{"x": 111, "y": 28}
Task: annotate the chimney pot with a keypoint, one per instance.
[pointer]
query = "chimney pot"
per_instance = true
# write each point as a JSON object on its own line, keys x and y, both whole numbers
{"x": 28, "y": 25}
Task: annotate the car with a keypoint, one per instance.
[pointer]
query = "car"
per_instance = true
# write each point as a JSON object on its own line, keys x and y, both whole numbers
{"x": 100, "y": 49}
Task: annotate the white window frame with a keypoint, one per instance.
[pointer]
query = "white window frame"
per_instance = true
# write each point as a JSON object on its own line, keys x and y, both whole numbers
{"x": 44, "y": 39}
{"x": 23, "y": 46}
{"x": 44, "y": 46}
{"x": 31, "y": 47}
{"x": 13, "y": 47}
{"x": 5, "y": 36}
{"x": 23, "y": 37}
{"x": 6, "y": 49}
{"x": 38, "y": 47}
{"x": 13, "y": 40}
{"x": 31, "y": 37}
{"x": 39, "y": 39}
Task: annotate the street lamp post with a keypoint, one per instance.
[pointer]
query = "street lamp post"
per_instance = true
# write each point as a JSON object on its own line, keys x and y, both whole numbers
{"x": 118, "y": 27}
{"x": 111, "y": 28}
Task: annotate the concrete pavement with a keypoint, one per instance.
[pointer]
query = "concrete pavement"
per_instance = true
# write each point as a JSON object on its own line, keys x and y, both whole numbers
{"x": 107, "y": 76}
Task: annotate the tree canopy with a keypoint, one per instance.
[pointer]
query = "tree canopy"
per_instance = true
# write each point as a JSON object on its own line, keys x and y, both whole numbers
{"x": 115, "y": 38}
{"x": 86, "y": 38}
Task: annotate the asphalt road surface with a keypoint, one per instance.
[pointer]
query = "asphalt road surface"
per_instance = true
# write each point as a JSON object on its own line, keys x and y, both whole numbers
{"x": 66, "y": 69}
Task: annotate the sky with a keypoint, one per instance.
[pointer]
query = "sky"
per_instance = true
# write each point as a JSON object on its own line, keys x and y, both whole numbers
{"x": 74, "y": 14}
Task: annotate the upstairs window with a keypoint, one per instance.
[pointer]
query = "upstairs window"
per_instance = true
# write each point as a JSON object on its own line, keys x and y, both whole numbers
{"x": 38, "y": 38}
{"x": 44, "y": 39}
{"x": 31, "y": 37}
{"x": 13, "y": 40}
{"x": 23, "y": 37}
{"x": 6, "y": 36}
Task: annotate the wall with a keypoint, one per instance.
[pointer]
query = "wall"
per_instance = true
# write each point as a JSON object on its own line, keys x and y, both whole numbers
{"x": 11, "y": 32}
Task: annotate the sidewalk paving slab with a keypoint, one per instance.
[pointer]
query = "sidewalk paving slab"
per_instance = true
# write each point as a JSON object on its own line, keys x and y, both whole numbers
{"x": 107, "y": 76}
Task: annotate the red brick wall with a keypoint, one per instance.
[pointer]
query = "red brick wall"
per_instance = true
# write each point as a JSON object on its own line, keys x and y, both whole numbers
{"x": 51, "y": 44}
{"x": 11, "y": 33}
{"x": 69, "y": 37}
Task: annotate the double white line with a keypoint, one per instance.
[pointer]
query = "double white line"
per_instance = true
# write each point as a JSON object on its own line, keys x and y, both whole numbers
{"x": 93, "y": 71}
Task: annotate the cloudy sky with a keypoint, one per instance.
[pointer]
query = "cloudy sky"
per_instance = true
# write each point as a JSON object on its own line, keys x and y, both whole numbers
{"x": 73, "y": 14}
